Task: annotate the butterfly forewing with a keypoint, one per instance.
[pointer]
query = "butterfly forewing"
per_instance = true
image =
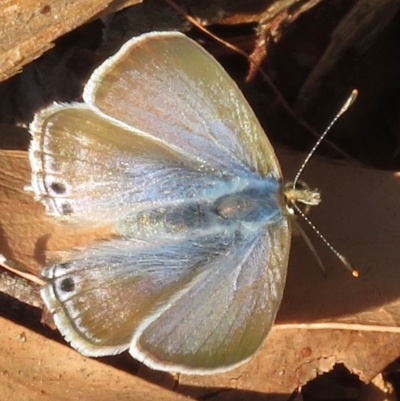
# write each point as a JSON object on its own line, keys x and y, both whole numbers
{"x": 169, "y": 87}
{"x": 87, "y": 169}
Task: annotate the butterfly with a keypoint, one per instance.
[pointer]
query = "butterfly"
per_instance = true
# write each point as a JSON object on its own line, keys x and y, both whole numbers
{"x": 167, "y": 151}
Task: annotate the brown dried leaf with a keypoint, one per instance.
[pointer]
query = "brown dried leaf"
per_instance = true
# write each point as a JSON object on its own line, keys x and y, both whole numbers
{"x": 322, "y": 321}
{"x": 357, "y": 31}
{"x": 32, "y": 368}
{"x": 29, "y": 27}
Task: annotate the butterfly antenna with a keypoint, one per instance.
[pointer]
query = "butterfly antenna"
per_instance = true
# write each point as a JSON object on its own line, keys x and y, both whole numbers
{"x": 354, "y": 272}
{"x": 312, "y": 197}
{"x": 343, "y": 109}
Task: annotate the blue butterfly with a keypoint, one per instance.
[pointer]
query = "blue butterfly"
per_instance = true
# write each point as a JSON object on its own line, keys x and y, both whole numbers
{"x": 166, "y": 151}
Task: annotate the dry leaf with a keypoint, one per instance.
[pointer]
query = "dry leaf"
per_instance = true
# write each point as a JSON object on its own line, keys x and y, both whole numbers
{"x": 29, "y": 27}
{"x": 322, "y": 321}
{"x": 32, "y": 368}
{"x": 357, "y": 31}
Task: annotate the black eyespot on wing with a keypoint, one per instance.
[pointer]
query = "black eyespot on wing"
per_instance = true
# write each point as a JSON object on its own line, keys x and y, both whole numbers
{"x": 58, "y": 188}
{"x": 67, "y": 285}
{"x": 66, "y": 208}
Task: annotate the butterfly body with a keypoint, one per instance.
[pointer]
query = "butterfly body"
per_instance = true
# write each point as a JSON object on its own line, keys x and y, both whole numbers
{"x": 250, "y": 208}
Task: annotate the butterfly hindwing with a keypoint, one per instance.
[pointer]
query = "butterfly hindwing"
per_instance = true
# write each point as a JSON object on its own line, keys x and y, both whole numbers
{"x": 217, "y": 305}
